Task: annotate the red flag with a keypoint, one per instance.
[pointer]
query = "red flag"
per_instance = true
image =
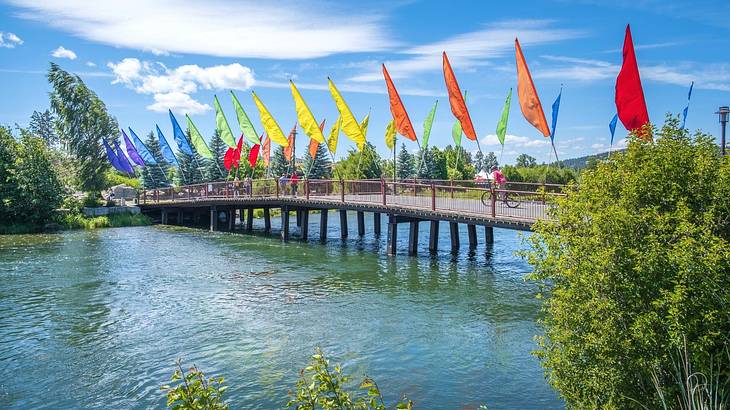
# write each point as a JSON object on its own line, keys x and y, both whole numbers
{"x": 237, "y": 153}
{"x": 253, "y": 155}
{"x": 288, "y": 149}
{"x": 402, "y": 121}
{"x": 630, "y": 103}
{"x": 456, "y": 100}
{"x": 228, "y": 158}
{"x": 313, "y": 144}
{"x": 266, "y": 149}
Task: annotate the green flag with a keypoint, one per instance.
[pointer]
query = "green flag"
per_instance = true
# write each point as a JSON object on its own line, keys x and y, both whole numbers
{"x": 197, "y": 140}
{"x": 244, "y": 122}
{"x": 456, "y": 130}
{"x": 502, "y": 125}
{"x": 221, "y": 125}
{"x": 427, "y": 124}
{"x": 364, "y": 125}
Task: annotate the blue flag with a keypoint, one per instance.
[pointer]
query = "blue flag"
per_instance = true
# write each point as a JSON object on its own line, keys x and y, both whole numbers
{"x": 179, "y": 136}
{"x": 556, "y": 107}
{"x": 612, "y": 126}
{"x": 112, "y": 157}
{"x": 123, "y": 161}
{"x": 165, "y": 148}
{"x": 142, "y": 149}
{"x": 686, "y": 109}
{"x": 132, "y": 151}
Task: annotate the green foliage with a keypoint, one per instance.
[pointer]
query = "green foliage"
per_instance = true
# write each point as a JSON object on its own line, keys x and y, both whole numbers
{"x": 360, "y": 165}
{"x": 8, "y": 149}
{"x": 525, "y": 161}
{"x": 406, "y": 166}
{"x": 192, "y": 168}
{"x": 549, "y": 174}
{"x": 633, "y": 263}
{"x": 81, "y": 124}
{"x": 432, "y": 164}
{"x": 42, "y": 125}
{"x": 322, "y": 165}
{"x": 279, "y": 164}
{"x": 155, "y": 176}
{"x": 193, "y": 390}
{"x": 114, "y": 178}
{"x": 215, "y": 170}
{"x": 321, "y": 386}
{"x": 490, "y": 160}
{"x": 459, "y": 163}
{"x": 77, "y": 221}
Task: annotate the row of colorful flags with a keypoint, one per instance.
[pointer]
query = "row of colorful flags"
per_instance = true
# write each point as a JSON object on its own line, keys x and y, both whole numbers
{"x": 631, "y": 110}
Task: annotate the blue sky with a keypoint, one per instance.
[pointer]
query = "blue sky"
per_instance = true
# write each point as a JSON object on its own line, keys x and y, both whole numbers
{"x": 143, "y": 57}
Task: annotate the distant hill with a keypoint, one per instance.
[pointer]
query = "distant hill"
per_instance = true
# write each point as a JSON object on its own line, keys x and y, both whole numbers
{"x": 582, "y": 162}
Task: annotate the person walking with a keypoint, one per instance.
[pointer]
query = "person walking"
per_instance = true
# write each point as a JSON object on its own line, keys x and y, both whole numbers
{"x": 294, "y": 182}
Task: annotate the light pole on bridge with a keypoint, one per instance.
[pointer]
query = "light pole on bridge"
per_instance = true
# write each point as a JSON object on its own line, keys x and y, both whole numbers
{"x": 723, "y": 113}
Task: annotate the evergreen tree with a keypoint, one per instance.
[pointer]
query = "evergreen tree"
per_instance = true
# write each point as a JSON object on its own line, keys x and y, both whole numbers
{"x": 155, "y": 176}
{"x": 459, "y": 163}
{"x": 216, "y": 171}
{"x": 360, "y": 165}
{"x": 433, "y": 165}
{"x": 478, "y": 161}
{"x": 82, "y": 123}
{"x": 406, "y": 164}
{"x": 322, "y": 167}
{"x": 279, "y": 164}
{"x": 42, "y": 125}
{"x": 490, "y": 161}
{"x": 524, "y": 160}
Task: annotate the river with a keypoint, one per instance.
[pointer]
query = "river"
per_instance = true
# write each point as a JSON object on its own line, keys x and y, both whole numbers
{"x": 96, "y": 319}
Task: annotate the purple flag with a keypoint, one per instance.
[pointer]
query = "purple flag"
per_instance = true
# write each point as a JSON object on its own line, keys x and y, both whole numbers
{"x": 123, "y": 161}
{"x": 132, "y": 151}
{"x": 112, "y": 157}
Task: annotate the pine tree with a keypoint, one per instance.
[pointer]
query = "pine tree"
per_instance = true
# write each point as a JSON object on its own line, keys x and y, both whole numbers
{"x": 215, "y": 169}
{"x": 322, "y": 167}
{"x": 192, "y": 167}
{"x": 155, "y": 176}
{"x": 490, "y": 161}
{"x": 479, "y": 161}
{"x": 279, "y": 164}
{"x": 42, "y": 125}
{"x": 406, "y": 164}
{"x": 433, "y": 167}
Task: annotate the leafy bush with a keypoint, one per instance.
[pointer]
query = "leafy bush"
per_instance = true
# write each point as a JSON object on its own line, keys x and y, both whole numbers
{"x": 78, "y": 221}
{"x": 630, "y": 265}
{"x": 194, "y": 391}
{"x": 114, "y": 178}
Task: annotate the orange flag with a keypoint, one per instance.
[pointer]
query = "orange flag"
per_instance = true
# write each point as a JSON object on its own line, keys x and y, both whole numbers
{"x": 456, "y": 99}
{"x": 313, "y": 144}
{"x": 265, "y": 149}
{"x": 288, "y": 149}
{"x": 529, "y": 102}
{"x": 400, "y": 115}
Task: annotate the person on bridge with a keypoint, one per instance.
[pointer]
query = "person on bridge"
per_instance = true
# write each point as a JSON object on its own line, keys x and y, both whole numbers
{"x": 294, "y": 181}
{"x": 498, "y": 177}
{"x": 283, "y": 180}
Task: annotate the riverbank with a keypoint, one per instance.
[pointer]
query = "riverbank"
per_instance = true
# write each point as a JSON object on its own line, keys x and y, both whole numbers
{"x": 77, "y": 221}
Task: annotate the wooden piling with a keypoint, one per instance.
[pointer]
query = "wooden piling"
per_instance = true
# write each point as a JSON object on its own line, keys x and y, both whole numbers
{"x": 230, "y": 213}
{"x": 392, "y": 245}
{"x": 323, "y": 224}
{"x": 249, "y": 220}
{"x": 472, "y": 231}
{"x": 284, "y": 224}
{"x": 376, "y": 223}
{"x": 360, "y": 223}
{"x": 413, "y": 238}
{"x": 267, "y": 220}
{"x": 305, "y": 224}
{"x": 213, "y": 219}
{"x": 489, "y": 234}
{"x": 433, "y": 240}
{"x": 163, "y": 217}
{"x": 343, "y": 223}
{"x": 454, "y": 230}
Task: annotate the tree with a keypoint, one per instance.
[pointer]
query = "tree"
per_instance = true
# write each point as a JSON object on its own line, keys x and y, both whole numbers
{"x": 631, "y": 265}
{"x": 42, "y": 126}
{"x": 192, "y": 168}
{"x": 479, "y": 161}
{"x": 490, "y": 161}
{"x": 459, "y": 163}
{"x": 82, "y": 123}
{"x": 279, "y": 164}
{"x": 8, "y": 151}
{"x": 432, "y": 164}
{"x": 215, "y": 170}
{"x": 363, "y": 164}
{"x": 524, "y": 160}
{"x": 406, "y": 167}
{"x": 155, "y": 176}
{"x": 321, "y": 167}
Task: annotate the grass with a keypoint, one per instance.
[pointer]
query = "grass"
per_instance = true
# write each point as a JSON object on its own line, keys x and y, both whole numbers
{"x": 77, "y": 221}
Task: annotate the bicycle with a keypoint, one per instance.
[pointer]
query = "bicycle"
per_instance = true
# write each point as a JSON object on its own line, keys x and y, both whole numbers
{"x": 506, "y": 198}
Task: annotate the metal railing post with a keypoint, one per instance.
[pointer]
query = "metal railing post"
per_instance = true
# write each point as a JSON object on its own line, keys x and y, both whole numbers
{"x": 433, "y": 197}
{"x": 382, "y": 190}
{"x": 494, "y": 202}
{"x": 342, "y": 190}
{"x": 306, "y": 188}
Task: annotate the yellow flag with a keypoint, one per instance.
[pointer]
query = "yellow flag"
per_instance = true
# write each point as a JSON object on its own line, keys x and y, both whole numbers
{"x": 364, "y": 125}
{"x": 390, "y": 135}
{"x": 272, "y": 128}
{"x": 305, "y": 116}
{"x": 334, "y": 135}
{"x": 350, "y": 126}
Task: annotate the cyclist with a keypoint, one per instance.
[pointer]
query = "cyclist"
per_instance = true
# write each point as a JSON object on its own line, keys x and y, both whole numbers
{"x": 498, "y": 177}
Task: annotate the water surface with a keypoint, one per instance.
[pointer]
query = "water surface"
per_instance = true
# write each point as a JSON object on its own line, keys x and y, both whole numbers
{"x": 96, "y": 319}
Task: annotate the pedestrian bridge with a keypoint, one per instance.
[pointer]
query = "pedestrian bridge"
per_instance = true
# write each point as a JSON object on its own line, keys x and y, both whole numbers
{"x": 230, "y": 205}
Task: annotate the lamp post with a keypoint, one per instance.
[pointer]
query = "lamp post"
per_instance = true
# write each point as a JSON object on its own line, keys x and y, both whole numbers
{"x": 723, "y": 113}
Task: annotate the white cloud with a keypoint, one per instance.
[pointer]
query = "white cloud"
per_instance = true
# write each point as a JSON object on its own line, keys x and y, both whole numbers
{"x": 9, "y": 40}
{"x": 515, "y": 141}
{"x": 62, "y": 52}
{"x": 472, "y": 49}
{"x": 223, "y": 28}
{"x": 174, "y": 86}
{"x": 90, "y": 64}
{"x": 178, "y": 102}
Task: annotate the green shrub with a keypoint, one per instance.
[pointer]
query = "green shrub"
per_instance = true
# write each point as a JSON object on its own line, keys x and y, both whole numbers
{"x": 633, "y": 263}
{"x": 194, "y": 391}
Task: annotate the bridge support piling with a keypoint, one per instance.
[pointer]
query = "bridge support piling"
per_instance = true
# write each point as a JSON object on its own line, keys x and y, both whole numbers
{"x": 249, "y": 220}
{"x": 241, "y": 216}
{"x": 163, "y": 216}
{"x": 376, "y": 223}
{"x": 299, "y": 218}
{"x": 230, "y": 214}
{"x": 343, "y": 223}
{"x": 305, "y": 224}
{"x": 392, "y": 245}
{"x": 472, "y": 231}
{"x": 360, "y": 223}
{"x": 489, "y": 234}
{"x": 267, "y": 220}
{"x": 454, "y": 230}
{"x": 284, "y": 224}
{"x": 413, "y": 238}
{"x": 433, "y": 240}
{"x": 323, "y": 224}
{"x": 213, "y": 219}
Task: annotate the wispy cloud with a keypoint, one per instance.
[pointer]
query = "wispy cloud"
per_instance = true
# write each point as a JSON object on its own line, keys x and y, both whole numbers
{"x": 277, "y": 30}
{"x": 515, "y": 141}
{"x": 62, "y": 52}
{"x": 649, "y": 46}
{"x": 9, "y": 40}
{"x": 472, "y": 49}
